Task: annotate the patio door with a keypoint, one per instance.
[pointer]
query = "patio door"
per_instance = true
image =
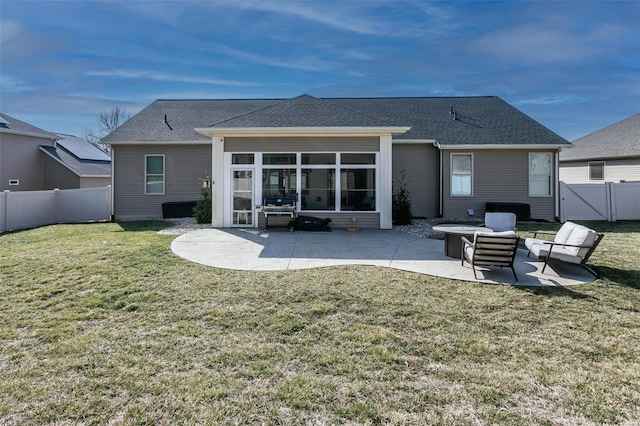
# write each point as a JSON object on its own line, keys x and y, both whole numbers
{"x": 242, "y": 213}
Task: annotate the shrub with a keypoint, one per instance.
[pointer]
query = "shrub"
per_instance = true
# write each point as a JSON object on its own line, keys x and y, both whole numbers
{"x": 401, "y": 203}
{"x": 202, "y": 210}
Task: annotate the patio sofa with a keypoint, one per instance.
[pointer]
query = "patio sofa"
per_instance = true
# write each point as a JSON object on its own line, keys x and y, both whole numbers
{"x": 572, "y": 244}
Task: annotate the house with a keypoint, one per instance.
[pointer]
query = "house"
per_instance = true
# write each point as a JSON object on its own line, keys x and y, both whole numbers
{"x": 32, "y": 159}
{"x": 341, "y": 157}
{"x": 73, "y": 162}
{"x": 611, "y": 154}
{"x": 20, "y": 155}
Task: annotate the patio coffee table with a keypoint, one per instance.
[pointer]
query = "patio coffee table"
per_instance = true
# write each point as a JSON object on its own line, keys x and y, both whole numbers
{"x": 452, "y": 236}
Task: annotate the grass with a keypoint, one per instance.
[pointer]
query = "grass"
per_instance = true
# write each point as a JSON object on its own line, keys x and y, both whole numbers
{"x": 102, "y": 324}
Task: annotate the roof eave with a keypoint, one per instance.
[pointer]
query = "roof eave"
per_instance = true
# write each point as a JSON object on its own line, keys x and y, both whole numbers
{"x": 504, "y": 146}
{"x": 34, "y": 134}
{"x": 198, "y": 142}
{"x": 301, "y": 131}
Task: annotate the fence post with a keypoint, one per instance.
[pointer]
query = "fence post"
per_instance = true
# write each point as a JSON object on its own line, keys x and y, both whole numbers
{"x": 109, "y": 206}
{"x": 611, "y": 189}
{"x": 56, "y": 205}
{"x": 4, "y": 226}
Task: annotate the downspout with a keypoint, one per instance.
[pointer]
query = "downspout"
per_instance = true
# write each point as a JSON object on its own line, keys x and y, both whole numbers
{"x": 113, "y": 175}
{"x": 557, "y": 182}
{"x": 437, "y": 145}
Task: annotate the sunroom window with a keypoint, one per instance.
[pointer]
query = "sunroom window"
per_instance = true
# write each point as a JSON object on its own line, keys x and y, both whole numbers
{"x": 279, "y": 174}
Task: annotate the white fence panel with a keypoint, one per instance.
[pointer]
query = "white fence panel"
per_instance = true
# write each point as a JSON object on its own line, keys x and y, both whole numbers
{"x": 82, "y": 205}
{"x": 28, "y": 209}
{"x": 584, "y": 202}
{"x": 608, "y": 201}
{"x": 626, "y": 201}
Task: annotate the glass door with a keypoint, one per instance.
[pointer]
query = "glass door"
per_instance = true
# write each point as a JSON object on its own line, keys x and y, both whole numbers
{"x": 242, "y": 195}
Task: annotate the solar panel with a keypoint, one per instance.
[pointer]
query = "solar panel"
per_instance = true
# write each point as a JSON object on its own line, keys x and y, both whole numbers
{"x": 3, "y": 121}
{"x": 82, "y": 149}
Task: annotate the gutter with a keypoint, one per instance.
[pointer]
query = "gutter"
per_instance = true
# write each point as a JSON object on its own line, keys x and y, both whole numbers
{"x": 437, "y": 145}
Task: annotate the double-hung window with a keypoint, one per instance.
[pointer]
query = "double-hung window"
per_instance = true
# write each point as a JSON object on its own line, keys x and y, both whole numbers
{"x": 462, "y": 174}
{"x": 540, "y": 176}
{"x": 154, "y": 174}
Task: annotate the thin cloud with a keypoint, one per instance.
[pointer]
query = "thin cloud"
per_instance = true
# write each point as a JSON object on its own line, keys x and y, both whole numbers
{"x": 134, "y": 74}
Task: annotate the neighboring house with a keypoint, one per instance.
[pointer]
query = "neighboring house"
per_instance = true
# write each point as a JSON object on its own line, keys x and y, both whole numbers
{"x": 20, "y": 156}
{"x": 33, "y": 159}
{"x": 611, "y": 154}
{"x": 342, "y": 158}
{"x": 73, "y": 162}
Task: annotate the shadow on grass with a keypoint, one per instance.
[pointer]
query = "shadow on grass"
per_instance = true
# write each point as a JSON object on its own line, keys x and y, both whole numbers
{"x": 621, "y": 277}
{"x": 558, "y": 291}
{"x": 144, "y": 225}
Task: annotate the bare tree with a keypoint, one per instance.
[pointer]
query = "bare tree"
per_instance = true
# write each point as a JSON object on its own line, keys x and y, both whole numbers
{"x": 108, "y": 121}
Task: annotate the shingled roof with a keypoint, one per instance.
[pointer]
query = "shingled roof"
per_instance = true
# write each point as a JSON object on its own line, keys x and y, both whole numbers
{"x": 9, "y": 124}
{"x": 79, "y": 156}
{"x": 448, "y": 120}
{"x": 621, "y": 139}
{"x": 303, "y": 111}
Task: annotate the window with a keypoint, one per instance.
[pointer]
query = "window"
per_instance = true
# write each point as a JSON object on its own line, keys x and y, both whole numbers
{"x": 357, "y": 189}
{"x": 540, "y": 178}
{"x": 596, "y": 170}
{"x": 242, "y": 159}
{"x": 279, "y": 175}
{"x": 154, "y": 174}
{"x": 461, "y": 174}
{"x": 318, "y": 189}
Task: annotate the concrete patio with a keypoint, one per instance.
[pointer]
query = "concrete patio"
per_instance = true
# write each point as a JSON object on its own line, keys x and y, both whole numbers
{"x": 257, "y": 250}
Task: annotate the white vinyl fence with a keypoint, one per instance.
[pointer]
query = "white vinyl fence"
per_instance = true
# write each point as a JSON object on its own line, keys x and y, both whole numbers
{"x": 28, "y": 209}
{"x": 605, "y": 201}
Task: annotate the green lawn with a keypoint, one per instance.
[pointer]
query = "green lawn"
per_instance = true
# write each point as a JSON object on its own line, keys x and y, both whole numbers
{"x": 102, "y": 324}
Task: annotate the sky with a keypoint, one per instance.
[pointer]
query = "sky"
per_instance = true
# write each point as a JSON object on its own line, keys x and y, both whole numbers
{"x": 574, "y": 66}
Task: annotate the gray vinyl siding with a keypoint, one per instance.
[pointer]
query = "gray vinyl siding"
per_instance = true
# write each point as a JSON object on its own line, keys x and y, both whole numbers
{"x": 94, "y": 182}
{"x": 615, "y": 170}
{"x": 301, "y": 144}
{"x": 20, "y": 158}
{"x": 498, "y": 176}
{"x": 338, "y": 220}
{"x": 421, "y": 166}
{"x": 185, "y": 166}
{"x": 55, "y": 175}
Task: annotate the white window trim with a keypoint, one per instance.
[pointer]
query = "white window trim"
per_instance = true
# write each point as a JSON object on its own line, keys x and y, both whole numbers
{"x": 337, "y": 167}
{"x": 551, "y": 185}
{"x": 604, "y": 171}
{"x": 451, "y": 173}
{"x": 164, "y": 174}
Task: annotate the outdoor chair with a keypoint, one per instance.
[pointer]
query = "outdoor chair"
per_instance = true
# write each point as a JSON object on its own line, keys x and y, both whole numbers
{"x": 572, "y": 244}
{"x": 500, "y": 221}
{"x": 491, "y": 249}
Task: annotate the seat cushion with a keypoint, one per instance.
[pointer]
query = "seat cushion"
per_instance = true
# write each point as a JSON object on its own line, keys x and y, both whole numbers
{"x": 495, "y": 234}
{"x": 540, "y": 248}
{"x": 500, "y": 221}
{"x": 581, "y": 236}
{"x": 564, "y": 232}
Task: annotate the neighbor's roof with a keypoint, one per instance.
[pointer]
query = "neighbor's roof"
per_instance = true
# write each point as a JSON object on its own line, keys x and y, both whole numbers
{"x": 449, "y": 121}
{"x": 621, "y": 139}
{"x": 79, "y": 156}
{"x": 12, "y": 125}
